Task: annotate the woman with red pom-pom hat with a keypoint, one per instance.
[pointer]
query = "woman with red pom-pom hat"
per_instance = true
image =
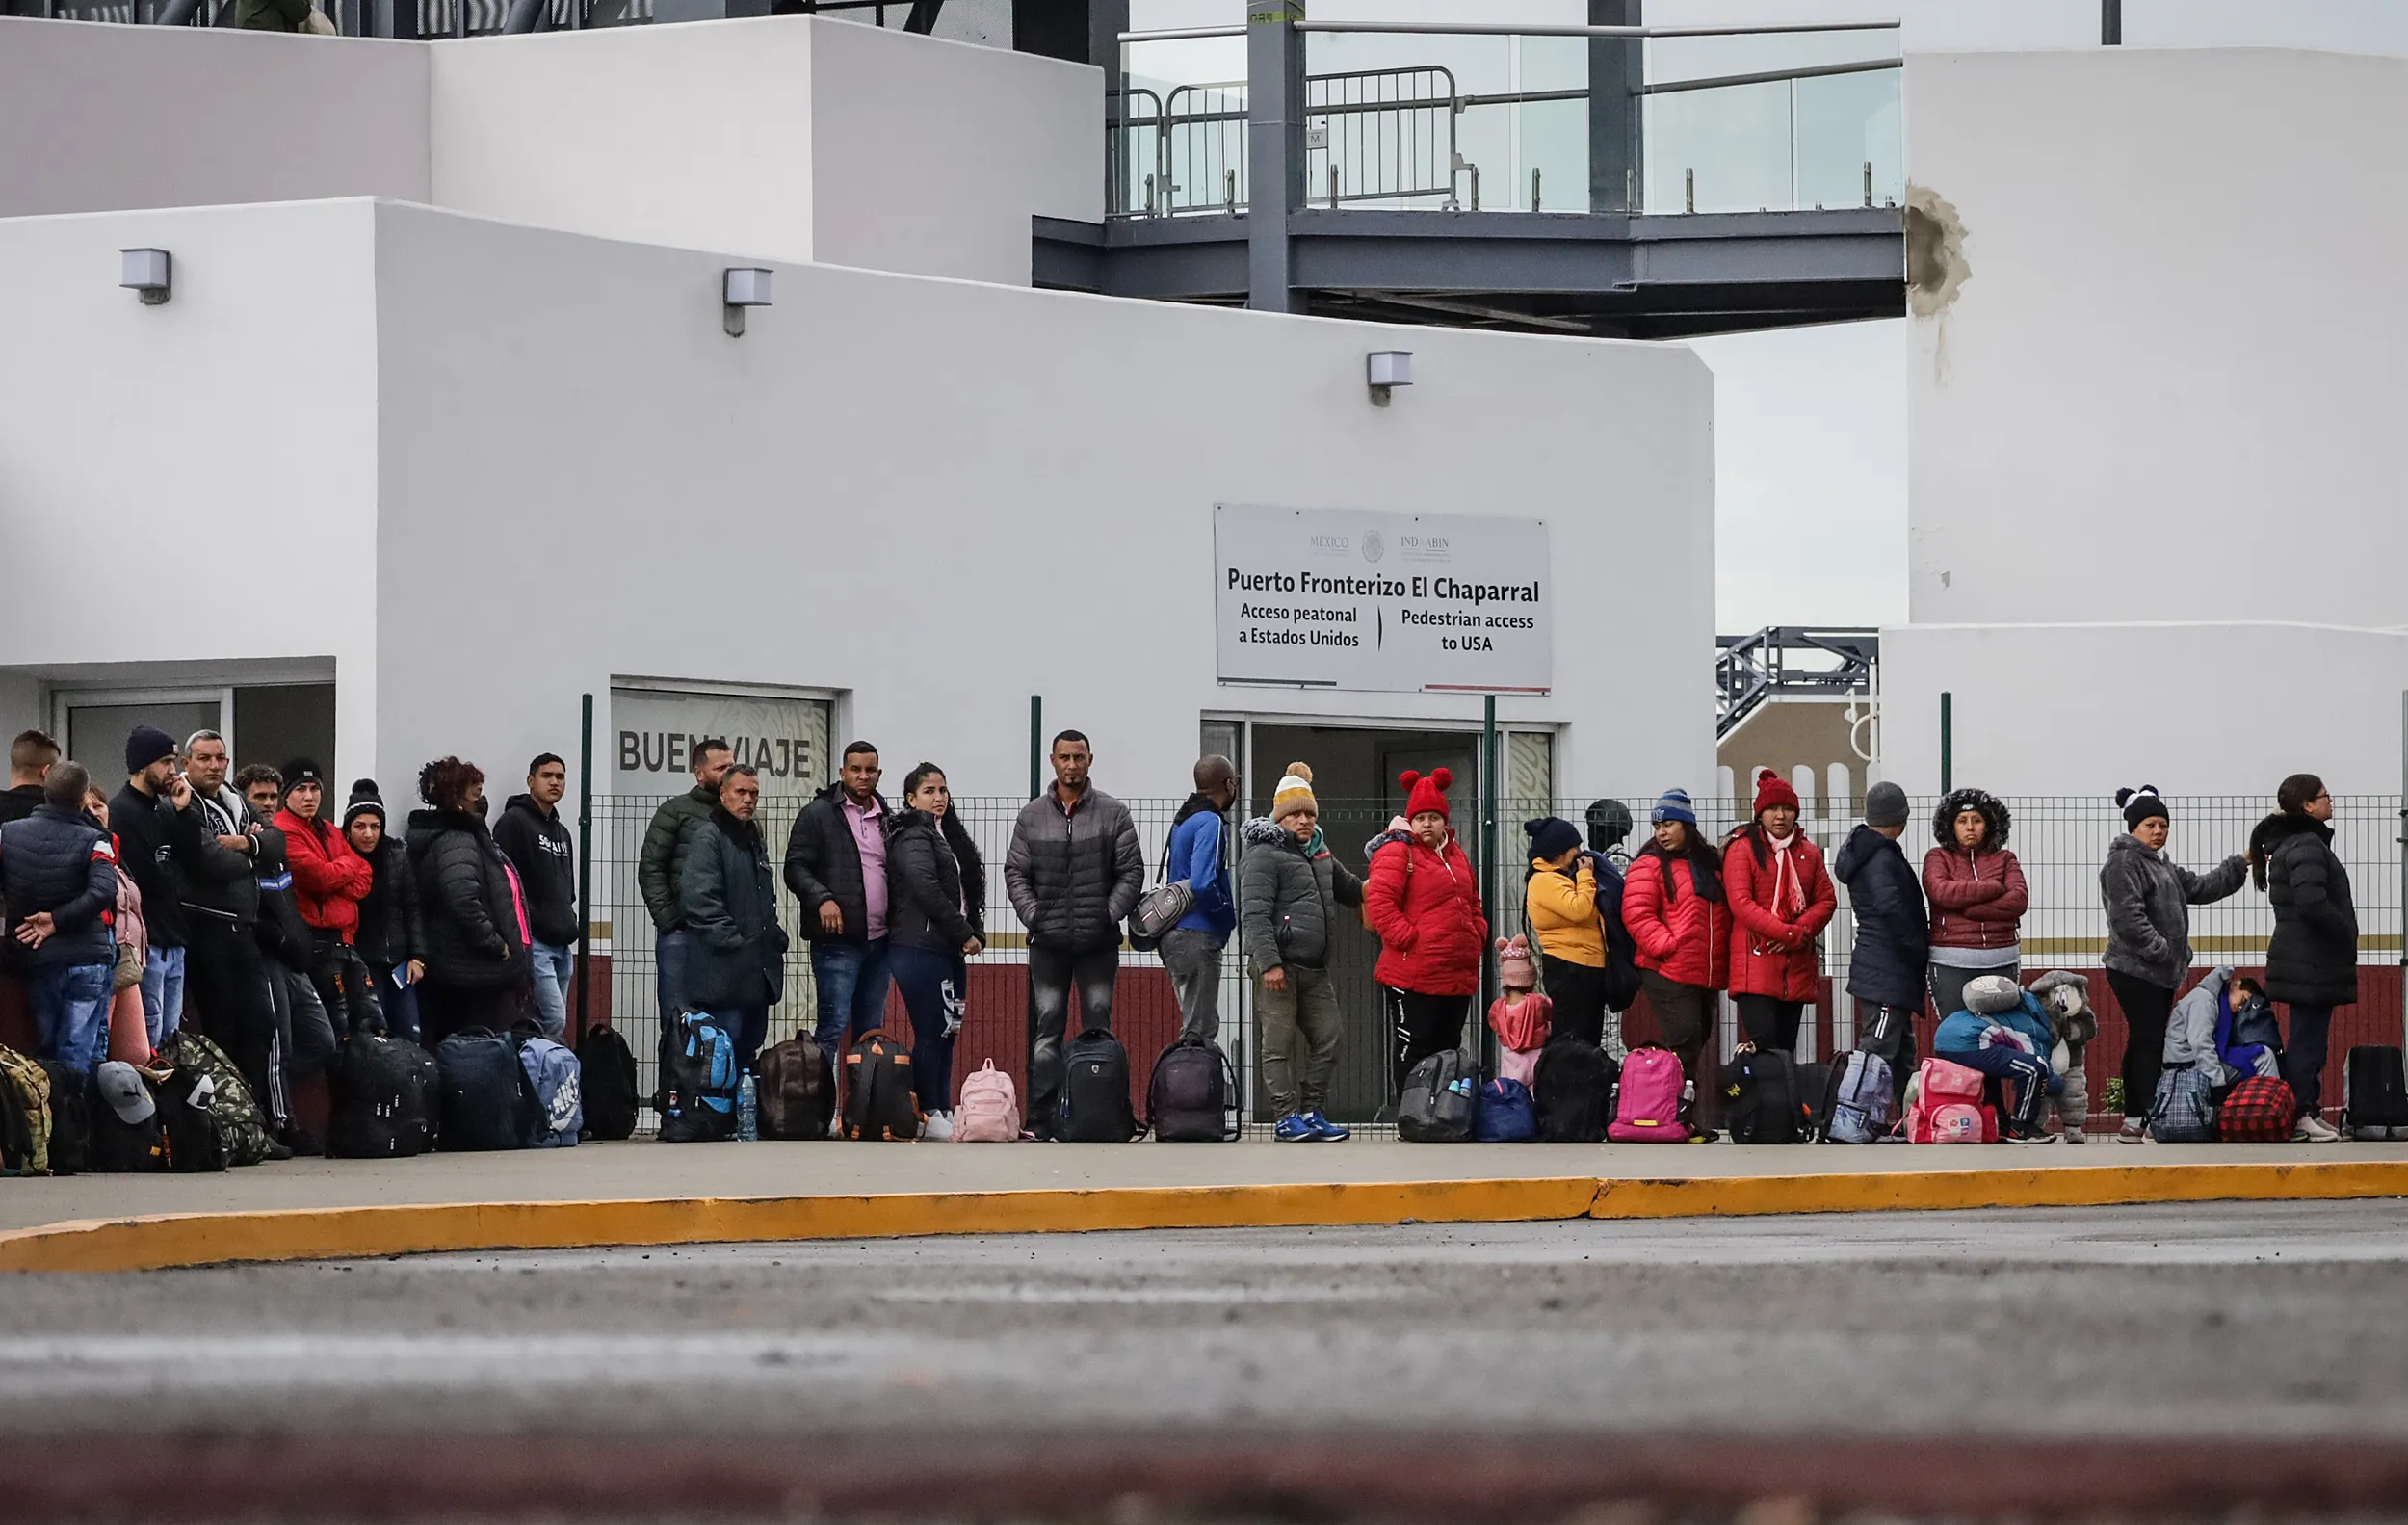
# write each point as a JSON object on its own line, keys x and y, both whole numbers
{"x": 1782, "y": 899}
{"x": 1423, "y": 899}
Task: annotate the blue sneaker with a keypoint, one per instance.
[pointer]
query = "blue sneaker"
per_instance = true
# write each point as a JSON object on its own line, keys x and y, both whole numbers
{"x": 1323, "y": 1127}
{"x": 1296, "y": 1128}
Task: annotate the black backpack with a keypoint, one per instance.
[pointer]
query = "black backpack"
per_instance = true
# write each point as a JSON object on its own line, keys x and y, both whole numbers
{"x": 70, "y": 1119}
{"x": 700, "y": 1106}
{"x": 2253, "y": 1023}
{"x": 1761, "y": 1088}
{"x": 378, "y": 1112}
{"x": 425, "y": 1110}
{"x": 1093, "y": 1106}
{"x": 1188, "y": 1099}
{"x": 127, "y": 1148}
{"x": 1572, "y": 1088}
{"x": 485, "y": 1099}
{"x": 878, "y": 1102}
{"x": 798, "y": 1089}
{"x": 193, "y": 1142}
{"x": 1440, "y": 1100}
{"x": 1813, "y": 1083}
{"x": 2374, "y": 1092}
{"x": 606, "y": 1077}
{"x": 1621, "y": 948}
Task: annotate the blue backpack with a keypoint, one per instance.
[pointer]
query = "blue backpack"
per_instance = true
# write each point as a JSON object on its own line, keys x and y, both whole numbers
{"x": 560, "y": 1094}
{"x": 1506, "y": 1114}
{"x": 701, "y": 1100}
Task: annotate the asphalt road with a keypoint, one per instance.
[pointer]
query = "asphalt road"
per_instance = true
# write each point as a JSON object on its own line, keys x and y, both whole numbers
{"x": 2090, "y": 1333}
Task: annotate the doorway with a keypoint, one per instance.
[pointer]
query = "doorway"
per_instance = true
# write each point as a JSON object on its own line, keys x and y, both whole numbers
{"x": 268, "y": 723}
{"x": 1354, "y": 779}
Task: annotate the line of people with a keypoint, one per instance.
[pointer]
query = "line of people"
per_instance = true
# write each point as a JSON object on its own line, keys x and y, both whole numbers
{"x": 236, "y": 901}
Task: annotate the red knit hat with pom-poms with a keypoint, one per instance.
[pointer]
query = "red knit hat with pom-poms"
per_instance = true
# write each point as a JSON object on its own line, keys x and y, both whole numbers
{"x": 1425, "y": 791}
{"x": 1772, "y": 789}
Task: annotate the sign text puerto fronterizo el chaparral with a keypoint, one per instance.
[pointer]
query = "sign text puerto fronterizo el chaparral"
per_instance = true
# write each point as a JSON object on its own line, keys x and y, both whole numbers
{"x": 1361, "y": 599}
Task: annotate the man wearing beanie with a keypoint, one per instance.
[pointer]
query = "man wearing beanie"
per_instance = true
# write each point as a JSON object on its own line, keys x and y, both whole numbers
{"x": 2148, "y": 898}
{"x": 1885, "y": 969}
{"x": 159, "y": 831}
{"x": 1559, "y": 903}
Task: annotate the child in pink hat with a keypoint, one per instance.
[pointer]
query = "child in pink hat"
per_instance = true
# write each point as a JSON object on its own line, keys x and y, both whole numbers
{"x": 1521, "y": 1017}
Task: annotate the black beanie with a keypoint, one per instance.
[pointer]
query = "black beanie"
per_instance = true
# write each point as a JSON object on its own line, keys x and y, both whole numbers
{"x": 1608, "y": 825}
{"x": 301, "y": 770}
{"x": 2141, "y": 803}
{"x": 1551, "y": 837}
{"x": 365, "y": 800}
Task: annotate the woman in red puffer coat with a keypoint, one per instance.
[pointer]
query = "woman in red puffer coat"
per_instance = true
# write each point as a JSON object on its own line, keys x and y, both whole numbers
{"x": 1782, "y": 899}
{"x": 1421, "y": 897}
{"x": 1673, "y": 905}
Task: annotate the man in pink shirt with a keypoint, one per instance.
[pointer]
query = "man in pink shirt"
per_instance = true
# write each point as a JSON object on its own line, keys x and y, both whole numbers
{"x": 836, "y": 866}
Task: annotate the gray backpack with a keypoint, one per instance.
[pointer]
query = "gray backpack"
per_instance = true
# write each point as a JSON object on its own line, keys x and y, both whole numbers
{"x": 1862, "y": 1092}
{"x": 1441, "y": 1101}
{"x": 2185, "y": 1112}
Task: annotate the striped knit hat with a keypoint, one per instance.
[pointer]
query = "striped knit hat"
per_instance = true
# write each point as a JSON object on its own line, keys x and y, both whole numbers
{"x": 1295, "y": 792}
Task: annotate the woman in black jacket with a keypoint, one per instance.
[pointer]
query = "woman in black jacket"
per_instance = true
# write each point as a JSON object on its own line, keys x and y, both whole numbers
{"x": 935, "y": 923}
{"x": 392, "y": 937}
{"x": 2312, "y": 961}
{"x": 476, "y": 931}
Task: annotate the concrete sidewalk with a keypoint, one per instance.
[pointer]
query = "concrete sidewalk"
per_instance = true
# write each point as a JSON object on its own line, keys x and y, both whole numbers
{"x": 640, "y": 1170}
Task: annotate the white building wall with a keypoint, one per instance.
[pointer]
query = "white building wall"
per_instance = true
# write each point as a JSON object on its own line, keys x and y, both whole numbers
{"x": 97, "y": 117}
{"x": 943, "y": 498}
{"x": 2196, "y": 709}
{"x": 931, "y": 158}
{"x": 194, "y": 481}
{"x": 2170, "y": 386}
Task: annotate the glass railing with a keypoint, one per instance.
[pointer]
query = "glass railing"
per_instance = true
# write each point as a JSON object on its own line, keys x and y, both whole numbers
{"x": 1441, "y": 110}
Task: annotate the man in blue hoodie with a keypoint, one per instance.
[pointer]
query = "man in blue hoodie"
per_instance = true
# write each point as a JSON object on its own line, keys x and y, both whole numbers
{"x": 2005, "y": 1035}
{"x": 1197, "y": 853}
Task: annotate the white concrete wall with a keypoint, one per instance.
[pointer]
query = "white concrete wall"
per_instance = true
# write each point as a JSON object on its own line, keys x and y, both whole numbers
{"x": 931, "y": 157}
{"x": 2196, "y": 709}
{"x": 2171, "y": 387}
{"x": 944, "y": 496}
{"x": 697, "y": 134}
{"x": 96, "y": 117}
{"x": 196, "y": 479}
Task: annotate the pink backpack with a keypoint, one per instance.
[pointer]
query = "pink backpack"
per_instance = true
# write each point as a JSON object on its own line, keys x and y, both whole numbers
{"x": 1950, "y": 1105}
{"x": 1648, "y": 1107}
{"x": 990, "y": 1109}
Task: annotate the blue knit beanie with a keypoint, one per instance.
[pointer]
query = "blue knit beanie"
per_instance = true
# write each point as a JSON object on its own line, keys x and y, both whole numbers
{"x": 1673, "y": 805}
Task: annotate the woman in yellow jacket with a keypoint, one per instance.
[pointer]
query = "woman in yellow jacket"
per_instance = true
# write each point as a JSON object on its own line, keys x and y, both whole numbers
{"x": 1560, "y": 906}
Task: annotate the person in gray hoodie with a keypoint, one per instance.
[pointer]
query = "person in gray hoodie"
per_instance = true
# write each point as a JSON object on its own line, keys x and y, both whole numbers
{"x": 1287, "y": 885}
{"x": 2148, "y": 898}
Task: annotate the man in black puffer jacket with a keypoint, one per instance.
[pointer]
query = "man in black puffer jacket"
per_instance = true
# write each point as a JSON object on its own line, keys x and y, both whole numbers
{"x": 58, "y": 877}
{"x": 836, "y": 866}
{"x": 730, "y": 899}
{"x": 1074, "y": 873}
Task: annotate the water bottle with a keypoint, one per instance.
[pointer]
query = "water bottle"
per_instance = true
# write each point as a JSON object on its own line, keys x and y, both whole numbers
{"x": 748, "y": 1109}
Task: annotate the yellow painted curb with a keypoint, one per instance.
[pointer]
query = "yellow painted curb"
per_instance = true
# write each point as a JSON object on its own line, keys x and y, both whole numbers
{"x": 2045, "y": 1186}
{"x": 193, "y": 1239}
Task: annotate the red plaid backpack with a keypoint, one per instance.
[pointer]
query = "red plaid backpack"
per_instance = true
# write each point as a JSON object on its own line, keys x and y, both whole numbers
{"x": 2260, "y": 1109}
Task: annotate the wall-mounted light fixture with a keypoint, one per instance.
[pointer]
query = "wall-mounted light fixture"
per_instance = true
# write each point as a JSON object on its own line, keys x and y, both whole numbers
{"x": 1385, "y": 369}
{"x": 148, "y": 273}
{"x": 742, "y": 287}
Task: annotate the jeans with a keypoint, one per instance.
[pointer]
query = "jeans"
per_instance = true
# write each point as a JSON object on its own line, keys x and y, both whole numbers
{"x": 552, "y": 963}
{"x": 2031, "y": 1077}
{"x": 748, "y": 1028}
{"x": 2146, "y": 1007}
{"x": 2303, "y": 1056}
{"x": 72, "y": 1013}
{"x": 935, "y": 987}
{"x": 345, "y": 992}
{"x": 851, "y": 980}
{"x": 1304, "y": 1016}
{"x": 1050, "y": 975}
{"x": 1423, "y": 1025}
{"x": 670, "y": 953}
{"x": 163, "y": 993}
{"x": 399, "y": 1002}
{"x": 1191, "y": 957}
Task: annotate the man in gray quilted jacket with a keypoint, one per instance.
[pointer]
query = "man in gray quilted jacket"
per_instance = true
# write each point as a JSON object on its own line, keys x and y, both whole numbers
{"x": 1074, "y": 873}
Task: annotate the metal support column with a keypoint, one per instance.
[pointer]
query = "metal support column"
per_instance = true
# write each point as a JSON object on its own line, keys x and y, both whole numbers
{"x": 2112, "y": 23}
{"x": 1274, "y": 151}
{"x": 1617, "y": 79}
{"x": 584, "y": 859}
{"x": 1947, "y": 743}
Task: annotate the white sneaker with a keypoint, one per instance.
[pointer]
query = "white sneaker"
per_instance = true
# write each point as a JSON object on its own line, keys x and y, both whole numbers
{"x": 2315, "y": 1130}
{"x": 2072, "y": 1136}
{"x": 2134, "y": 1131}
{"x": 939, "y": 1126}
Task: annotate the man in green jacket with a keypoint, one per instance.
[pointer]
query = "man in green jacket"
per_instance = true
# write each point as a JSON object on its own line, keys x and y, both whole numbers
{"x": 661, "y": 866}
